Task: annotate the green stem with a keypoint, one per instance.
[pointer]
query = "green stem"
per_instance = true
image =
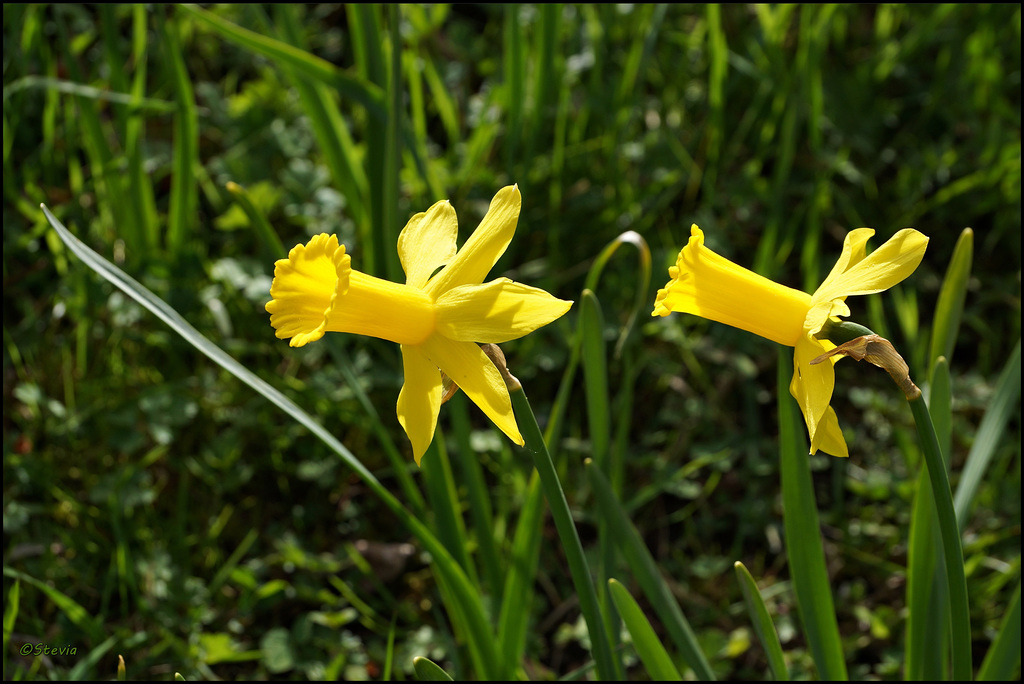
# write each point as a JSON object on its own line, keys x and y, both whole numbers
{"x": 950, "y": 533}
{"x": 581, "y": 577}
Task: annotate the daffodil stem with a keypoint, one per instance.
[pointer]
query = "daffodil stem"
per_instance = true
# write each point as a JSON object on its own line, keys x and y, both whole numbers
{"x": 578, "y": 568}
{"x": 950, "y": 534}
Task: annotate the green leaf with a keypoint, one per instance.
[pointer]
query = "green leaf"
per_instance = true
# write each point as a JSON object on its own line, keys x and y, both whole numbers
{"x": 804, "y": 549}
{"x": 950, "y": 536}
{"x": 647, "y": 573}
{"x": 950, "y": 305}
{"x": 184, "y": 190}
{"x": 763, "y": 624}
{"x": 72, "y": 610}
{"x": 1004, "y": 654}
{"x": 427, "y": 671}
{"x": 651, "y": 651}
{"x": 1000, "y": 408}
{"x": 367, "y": 94}
{"x": 927, "y": 631}
{"x": 10, "y": 616}
{"x": 569, "y": 536}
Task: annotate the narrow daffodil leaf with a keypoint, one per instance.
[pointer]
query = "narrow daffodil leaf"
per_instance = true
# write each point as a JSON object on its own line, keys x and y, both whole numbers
{"x": 1003, "y": 656}
{"x": 647, "y": 573}
{"x": 951, "y": 299}
{"x": 650, "y": 649}
{"x": 1000, "y": 408}
{"x": 428, "y": 671}
{"x": 762, "y": 622}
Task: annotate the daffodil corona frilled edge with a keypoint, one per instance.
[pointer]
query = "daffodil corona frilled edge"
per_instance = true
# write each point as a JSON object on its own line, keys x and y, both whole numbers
{"x": 438, "y": 316}
{"x": 708, "y": 285}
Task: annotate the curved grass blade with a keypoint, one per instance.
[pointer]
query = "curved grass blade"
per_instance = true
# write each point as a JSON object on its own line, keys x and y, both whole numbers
{"x": 72, "y": 610}
{"x": 367, "y": 94}
{"x": 804, "y": 549}
{"x": 1004, "y": 654}
{"x": 647, "y": 574}
{"x": 1000, "y": 408}
{"x": 483, "y": 646}
{"x": 763, "y": 624}
{"x": 651, "y": 651}
{"x": 428, "y": 671}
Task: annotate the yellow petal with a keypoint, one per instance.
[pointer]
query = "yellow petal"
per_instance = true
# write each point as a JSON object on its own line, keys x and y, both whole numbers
{"x": 829, "y": 436}
{"x": 854, "y": 250}
{"x": 880, "y": 270}
{"x": 812, "y": 388}
{"x": 708, "y": 285}
{"x": 419, "y": 402}
{"x": 476, "y": 375}
{"x": 428, "y": 242}
{"x": 305, "y": 287}
{"x": 484, "y": 247}
{"x": 496, "y": 312}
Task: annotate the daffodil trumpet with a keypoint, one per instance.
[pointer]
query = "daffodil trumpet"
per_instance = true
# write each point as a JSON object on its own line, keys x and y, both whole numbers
{"x": 437, "y": 316}
{"x": 708, "y": 285}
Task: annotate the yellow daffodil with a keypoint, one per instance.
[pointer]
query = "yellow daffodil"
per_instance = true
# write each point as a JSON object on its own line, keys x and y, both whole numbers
{"x": 710, "y": 286}
{"x": 438, "y": 315}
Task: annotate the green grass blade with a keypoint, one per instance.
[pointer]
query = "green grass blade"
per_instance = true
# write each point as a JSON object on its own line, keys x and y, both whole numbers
{"x": 72, "y": 610}
{"x": 1000, "y": 408}
{"x": 181, "y": 214}
{"x": 444, "y": 503}
{"x": 428, "y": 671}
{"x": 514, "y": 617}
{"x": 651, "y": 651}
{"x": 477, "y": 491}
{"x": 335, "y": 142}
{"x": 927, "y": 631}
{"x": 647, "y": 573}
{"x": 367, "y": 94}
{"x": 762, "y": 621}
{"x": 595, "y": 378}
{"x": 393, "y": 149}
{"x": 1004, "y": 654}
{"x": 804, "y": 549}
{"x": 469, "y": 603}
{"x": 950, "y": 305}
{"x": 10, "y": 616}
{"x": 950, "y": 535}
{"x": 571, "y": 545}
{"x": 272, "y": 247}
{"x": 400, "y": 464}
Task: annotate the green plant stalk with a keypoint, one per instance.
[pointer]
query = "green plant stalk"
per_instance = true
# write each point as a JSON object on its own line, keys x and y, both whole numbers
{"x": 581, "y": 577}
{"x": 950, "y": 533}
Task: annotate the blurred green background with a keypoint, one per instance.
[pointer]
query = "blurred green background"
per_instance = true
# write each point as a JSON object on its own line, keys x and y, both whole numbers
{"x": 199, "y": 530}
